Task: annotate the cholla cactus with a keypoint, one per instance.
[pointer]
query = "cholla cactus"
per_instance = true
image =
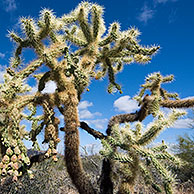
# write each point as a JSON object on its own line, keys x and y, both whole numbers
{"x": 127, "y": 149}
{"x": 54, "y": 39}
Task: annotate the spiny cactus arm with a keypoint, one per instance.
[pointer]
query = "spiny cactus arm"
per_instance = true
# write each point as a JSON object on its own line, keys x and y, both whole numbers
{"x": 75, "y": 40}
{"x": 94, "y": 133}
{"x": 182, "y": 103}
{"x": 167, "y": 156}
{"x": 167, "y": 177}
{"x": 23, "y": 101}
{"x": 35, "y": 130}
{"x": 111, "y": 77}
{"x": 159, "y": 148}
{"x": 158, "y": 125}
{"x": 42, "y": 82}
{"x": 82, "y": 19}
{"x": 165, "y": 95}
{"x": 108, "y": 150}
{"x": 98, "y": 27}
{"x": 47, "y": 23}
{"x": 112, "y": 34}
{"x": 153, "y": 84}
{"x": 131, "y": 117}
{"x": 47, "y": 26}
{"x": 127, "y": 45}
{"x": 148, "y": 178}
{"x": 30, "y": 69}
{"x": 21, "y": 43}
{"x": 123, "y": 158}
{"x": 135, "y": 48}
{"x": 33, "y": 159}
{"x": 118, "y": 119}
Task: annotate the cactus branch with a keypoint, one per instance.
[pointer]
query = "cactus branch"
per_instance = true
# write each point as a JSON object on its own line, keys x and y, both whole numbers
{"x": 178, "y": 103}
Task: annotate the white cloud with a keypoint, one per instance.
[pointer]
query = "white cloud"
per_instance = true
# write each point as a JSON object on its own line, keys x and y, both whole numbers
{"x": 2, "y": 55}
{"x": 84, "y": 104}
{"x": 85, "y": 114}
{"x": 98, "y": 123}
{"x": 182, "y": 123}
{"x": 146, "y": 14}
{"x": 125, "y": 104}
{"x": 50, "y": 87}
{"x": 10, "y": 5}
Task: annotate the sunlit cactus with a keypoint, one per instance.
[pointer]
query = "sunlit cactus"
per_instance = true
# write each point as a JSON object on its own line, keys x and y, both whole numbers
{"x": 128, "y": 151}
{"x": 71, "y": 50}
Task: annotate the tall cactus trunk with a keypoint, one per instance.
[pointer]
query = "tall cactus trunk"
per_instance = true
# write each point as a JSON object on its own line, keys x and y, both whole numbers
{"x": 106, "y": 186}
{"x": 72, "y": 156}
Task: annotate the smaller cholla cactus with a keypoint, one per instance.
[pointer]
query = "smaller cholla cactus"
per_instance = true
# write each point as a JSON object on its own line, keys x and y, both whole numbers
{"x": 128, "y": 149}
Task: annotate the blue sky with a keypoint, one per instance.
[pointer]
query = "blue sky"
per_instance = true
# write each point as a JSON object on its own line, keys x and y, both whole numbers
{"x": 168, "y": 23}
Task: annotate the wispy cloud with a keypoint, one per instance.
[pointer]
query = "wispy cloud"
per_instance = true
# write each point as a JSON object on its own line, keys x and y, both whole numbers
{"x": 145, "y": 14}
{"x": 172, "y": 17}
{"x": 164, "y": 1}
{"x": 2, "y": 55}
{"x": 98, "y": 123}
{"x": 125, "y": 104}
{"x": 160, "y": 1}
{"x": 10, "y": 5}
{"x": 91, "y": 118}
{"x": 148, "y": 12}
{"x": 84, "y": 113}
{"x": 84, "y": 104}
{"x": 182, "y": 123}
